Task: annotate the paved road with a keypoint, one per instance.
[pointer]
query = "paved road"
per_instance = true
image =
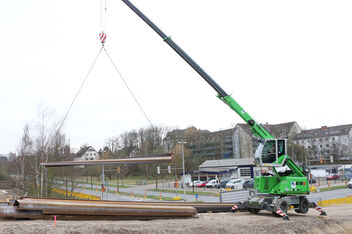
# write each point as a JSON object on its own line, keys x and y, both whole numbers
{"x": 85, "y": 188}
{"x": 230, "y": 196}
{"x": 338, "y": 193}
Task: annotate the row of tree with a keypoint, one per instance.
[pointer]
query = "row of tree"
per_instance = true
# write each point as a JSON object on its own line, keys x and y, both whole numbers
{"x": 43, "y": 141}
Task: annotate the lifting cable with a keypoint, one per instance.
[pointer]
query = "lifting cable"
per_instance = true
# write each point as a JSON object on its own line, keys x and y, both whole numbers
{"x": 129, "y": 89}
{"x": 74, "y": 99}
{"x": 102, "y": 37}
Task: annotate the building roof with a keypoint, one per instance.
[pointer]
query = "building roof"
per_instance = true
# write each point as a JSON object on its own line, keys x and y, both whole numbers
{"x": 227, "y": 163}
{"x": 324, "y": 132}
{"x": 277, "y": 130}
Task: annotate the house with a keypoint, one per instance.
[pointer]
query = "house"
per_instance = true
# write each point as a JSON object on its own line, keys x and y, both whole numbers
{"x": 322, "y": 143}
{"x": 86, "y": 153}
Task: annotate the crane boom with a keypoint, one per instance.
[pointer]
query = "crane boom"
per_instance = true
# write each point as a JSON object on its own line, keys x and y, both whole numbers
{"x": 256, "y": 128}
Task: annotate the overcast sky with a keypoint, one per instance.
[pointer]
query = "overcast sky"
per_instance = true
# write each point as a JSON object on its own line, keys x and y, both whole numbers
{"x": 281, "y": 60}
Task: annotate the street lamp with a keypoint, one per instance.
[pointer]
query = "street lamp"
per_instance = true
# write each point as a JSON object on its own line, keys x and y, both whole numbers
{"x": 183, "y": 168}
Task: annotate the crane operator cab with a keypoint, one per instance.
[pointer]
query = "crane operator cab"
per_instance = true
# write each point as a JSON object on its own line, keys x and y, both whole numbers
{"x": 269, "y": 152}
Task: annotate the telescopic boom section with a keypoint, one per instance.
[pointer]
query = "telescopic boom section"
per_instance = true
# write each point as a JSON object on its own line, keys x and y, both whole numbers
{"x": 257, "y": 129}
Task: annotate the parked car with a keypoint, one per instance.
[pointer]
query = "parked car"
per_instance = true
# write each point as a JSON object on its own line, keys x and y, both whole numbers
{"x": 333, "y": 177}
{"x": 212, "y": 183}
{"x": 248, "y": 184}
{"x": 194, "y": 183}
{"x": 222, "y": 183}
{"x": 202, "y": 184}
{"x": 235, "y": 184}
{"x": 350, "y": 184}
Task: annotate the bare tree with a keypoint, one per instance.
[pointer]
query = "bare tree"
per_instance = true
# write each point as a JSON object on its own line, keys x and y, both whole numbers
{"x": 39, "y": 142}
{"x": 25, "y": 150}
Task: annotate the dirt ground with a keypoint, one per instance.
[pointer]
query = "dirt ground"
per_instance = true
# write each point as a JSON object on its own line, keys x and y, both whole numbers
{"x": 339, "y": 220}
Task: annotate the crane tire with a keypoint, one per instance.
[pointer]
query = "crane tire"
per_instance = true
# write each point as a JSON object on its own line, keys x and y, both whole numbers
{"x": 303, "y": 206}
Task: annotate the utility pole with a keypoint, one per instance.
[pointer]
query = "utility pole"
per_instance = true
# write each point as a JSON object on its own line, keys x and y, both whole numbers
{"x": 183, "y": 168}
{"x": 102, "y": 183}
{"x": 117, "y": 179}
{"x": 175, "y": 172}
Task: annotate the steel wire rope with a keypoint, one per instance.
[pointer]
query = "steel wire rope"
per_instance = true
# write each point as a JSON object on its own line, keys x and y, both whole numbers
{"x": 129, "y": 89}
{"x": 74, "y": 99}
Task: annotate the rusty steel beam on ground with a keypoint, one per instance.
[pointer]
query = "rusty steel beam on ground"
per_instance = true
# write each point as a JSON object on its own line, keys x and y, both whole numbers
{"x": 200, "y": 207}
{"x": 13, "y": 212}
{"x": 16, "y": 213}
{"x": 73, "y": 207}
{"x": 158, "y": 158}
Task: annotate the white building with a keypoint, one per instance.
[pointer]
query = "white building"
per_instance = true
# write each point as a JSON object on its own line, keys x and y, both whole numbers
{"x": 86, "y": 153}
{"x": 321, "y": 143}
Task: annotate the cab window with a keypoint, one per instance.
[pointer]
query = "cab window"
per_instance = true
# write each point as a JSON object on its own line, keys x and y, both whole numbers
{"x": 269, "y": 152}
{"x": 281, "y": 147}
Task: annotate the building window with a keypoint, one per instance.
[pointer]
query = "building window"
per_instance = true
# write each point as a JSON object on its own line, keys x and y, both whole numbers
{"x": 245, "y": 172}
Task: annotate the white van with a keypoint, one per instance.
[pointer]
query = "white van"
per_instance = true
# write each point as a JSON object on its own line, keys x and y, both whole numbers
{"x": 212, "y": 183}
{"x": 235, "y": 184}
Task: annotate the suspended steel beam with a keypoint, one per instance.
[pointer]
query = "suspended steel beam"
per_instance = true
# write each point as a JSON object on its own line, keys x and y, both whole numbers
{"x": 158, "y": 158}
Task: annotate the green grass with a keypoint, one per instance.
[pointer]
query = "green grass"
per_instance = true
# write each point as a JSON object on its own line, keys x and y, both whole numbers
{"x": 180, "y": 191}
{"x": 333, "y": 188}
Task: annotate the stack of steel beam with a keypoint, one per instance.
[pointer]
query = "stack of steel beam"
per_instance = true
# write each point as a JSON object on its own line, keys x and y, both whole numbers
{"x": 33, "y": 208}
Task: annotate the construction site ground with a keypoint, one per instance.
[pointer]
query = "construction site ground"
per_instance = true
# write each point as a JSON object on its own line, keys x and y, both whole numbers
{"x": 339, "y": 220}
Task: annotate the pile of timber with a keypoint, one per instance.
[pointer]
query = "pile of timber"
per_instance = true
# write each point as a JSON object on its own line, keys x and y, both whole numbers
{"x": 40, "y": 208}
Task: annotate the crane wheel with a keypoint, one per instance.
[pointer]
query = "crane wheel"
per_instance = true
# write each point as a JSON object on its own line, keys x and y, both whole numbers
{"x": 303, "y": 206}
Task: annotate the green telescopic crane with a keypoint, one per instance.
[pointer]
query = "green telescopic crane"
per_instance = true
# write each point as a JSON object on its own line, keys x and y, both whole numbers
{"x": 277, "y": 191}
